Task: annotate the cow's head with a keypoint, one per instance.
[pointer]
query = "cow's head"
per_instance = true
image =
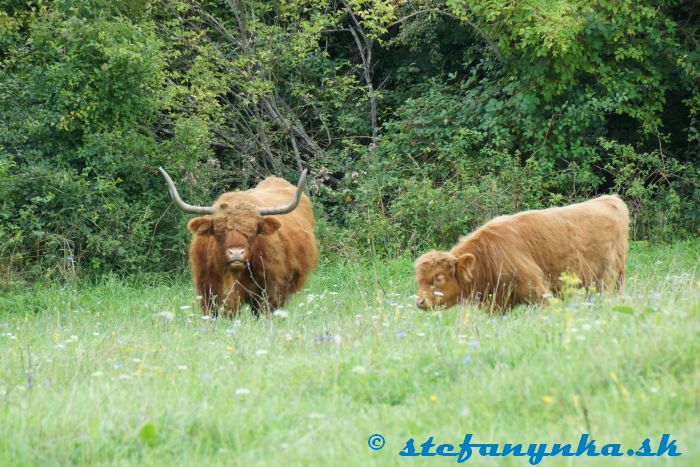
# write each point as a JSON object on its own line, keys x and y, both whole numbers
{"x": 235, "y": 225}
{"x": 443, "y": 278}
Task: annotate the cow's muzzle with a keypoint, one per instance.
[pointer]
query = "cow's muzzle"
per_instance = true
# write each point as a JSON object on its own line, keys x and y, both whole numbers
{"x": 236, "y": 258}
{"x": 422, "y": 303}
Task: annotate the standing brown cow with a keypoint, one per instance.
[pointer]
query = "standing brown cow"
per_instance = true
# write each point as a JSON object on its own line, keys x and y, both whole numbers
{"x": 520, "y": 258}
{"x": 244, "y": 251}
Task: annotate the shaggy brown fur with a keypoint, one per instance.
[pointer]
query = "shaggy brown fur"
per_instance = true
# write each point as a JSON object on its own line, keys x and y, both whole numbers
{"x": 278, "y": 252}
{"x": 520, "y": 258}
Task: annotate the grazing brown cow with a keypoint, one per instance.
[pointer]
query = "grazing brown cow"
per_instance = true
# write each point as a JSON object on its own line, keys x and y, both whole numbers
{"x": 244, "y": 251}
{"x": 520, "y": 258}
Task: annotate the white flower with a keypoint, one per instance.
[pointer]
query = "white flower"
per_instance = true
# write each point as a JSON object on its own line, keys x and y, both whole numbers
{"x": 359, "y": 370}
{"x": 261, "y": 352}
{"x": 97, "y": 374}
{"x": 281, "y": 313}
{"x": 168, "y": 315}
{"x": 242, "y": 391}
{"x": 181, "y": 367}
{"x": 185, "y": 307}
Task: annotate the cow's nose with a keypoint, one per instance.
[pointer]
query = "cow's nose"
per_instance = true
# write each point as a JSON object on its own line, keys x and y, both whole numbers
{"x": 420, "y": 302}
{"x": 234, "y": 254}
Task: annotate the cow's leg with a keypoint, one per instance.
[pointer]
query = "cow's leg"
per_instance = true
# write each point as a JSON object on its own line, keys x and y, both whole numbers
{"x": 209, "y": 301}
{"x": 234, "y": 295}
{"x": 531, "y": 290}
{"x": 209, "y": 292}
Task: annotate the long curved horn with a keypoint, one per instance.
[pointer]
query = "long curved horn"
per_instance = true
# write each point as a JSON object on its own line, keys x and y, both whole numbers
{"x": 179, "y": 202}
{"x": 289, "y": 207}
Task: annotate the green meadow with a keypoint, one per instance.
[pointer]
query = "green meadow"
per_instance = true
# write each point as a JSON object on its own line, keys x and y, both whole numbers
{"x": 129, "y": 373}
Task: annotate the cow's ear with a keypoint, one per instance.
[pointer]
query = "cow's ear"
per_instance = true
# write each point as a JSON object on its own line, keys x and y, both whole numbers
{"x": 465, "y": 267}
{"x": 201, "y": 225}
{"x": 269, "y": 225}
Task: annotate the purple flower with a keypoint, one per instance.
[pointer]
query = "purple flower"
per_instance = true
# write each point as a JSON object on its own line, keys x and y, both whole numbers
{"x": 466, "y": 360}
{"x": 118, "y": 364}
{"x": 5, "y": 324}
{"x": 400, "y": 334}
{"x": 474, "y": 344}
{"x": 231, "y": 331}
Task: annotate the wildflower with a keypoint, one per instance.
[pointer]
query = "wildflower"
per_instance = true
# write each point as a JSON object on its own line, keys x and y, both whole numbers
{"x": 181, "y": 367}
{"x": 206, "y": 317}
{"x": 236, "y": 323}
{"x": 185, "y": 307}
{"x": 474, "y": 344}
{"x": 118, "y": 365}
{"x": 5, "y": 324}
{"x": 167, "y": 315}
{"x": 231, "y": 331}
{"x": 95, "y": 333}
{"x": 465, "y": 360}
{"x": 400, "y": 334}
{"x": 433, "y": 398}
{"x": 97, "y": 374}
{"x": 280, "y": 314}
{"x": 229, "y": 348}
{"x": 547, "y": 399}
{"x": 261, "y": 352}
{"x": 420, "y": 334}
{"x": 136, "y": 360}
{"x": 242, "y": 391}
{"x": 360, "y": 370}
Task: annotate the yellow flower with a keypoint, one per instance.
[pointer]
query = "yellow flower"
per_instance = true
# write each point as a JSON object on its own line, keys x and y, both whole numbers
{"x": 229, "y": 348}
{"x": 547, "y": 399}
{"x": 433, "y": 398}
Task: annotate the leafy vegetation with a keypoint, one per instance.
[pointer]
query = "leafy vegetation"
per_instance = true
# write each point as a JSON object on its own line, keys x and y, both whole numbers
{"x": 418, "y": 120}
{"x": 120, "y": 373}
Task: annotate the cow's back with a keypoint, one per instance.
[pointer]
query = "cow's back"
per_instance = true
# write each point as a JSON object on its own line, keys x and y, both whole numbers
{"x": 588, "y": 239}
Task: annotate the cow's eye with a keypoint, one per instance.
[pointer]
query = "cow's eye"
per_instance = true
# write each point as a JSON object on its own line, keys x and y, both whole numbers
{"x": 439, "y": 280}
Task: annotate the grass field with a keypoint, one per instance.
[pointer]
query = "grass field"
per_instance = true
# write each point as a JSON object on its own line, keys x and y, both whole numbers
{"x": 132, "y": 374}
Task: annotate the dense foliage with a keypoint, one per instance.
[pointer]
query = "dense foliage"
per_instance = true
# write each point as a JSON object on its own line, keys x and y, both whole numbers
{"x": 418, "y": 119}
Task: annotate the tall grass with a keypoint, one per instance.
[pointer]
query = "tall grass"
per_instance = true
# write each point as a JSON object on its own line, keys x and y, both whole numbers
{"x": 132, "y": 374}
